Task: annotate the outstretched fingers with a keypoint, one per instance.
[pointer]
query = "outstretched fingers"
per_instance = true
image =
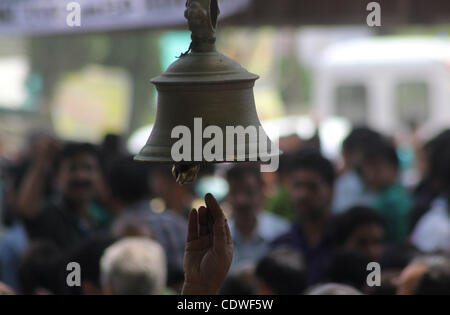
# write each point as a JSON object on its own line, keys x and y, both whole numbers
{"x": 222, "y": 235}
{"x": 214, "y": 208}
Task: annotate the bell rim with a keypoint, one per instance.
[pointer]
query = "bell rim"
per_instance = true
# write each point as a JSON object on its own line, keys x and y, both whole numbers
{"x": 227, "y": 159}
{"x": 200, "y": 78}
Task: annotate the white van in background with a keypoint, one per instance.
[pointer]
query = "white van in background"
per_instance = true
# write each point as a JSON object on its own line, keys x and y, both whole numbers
{"x": 386, "y": 83}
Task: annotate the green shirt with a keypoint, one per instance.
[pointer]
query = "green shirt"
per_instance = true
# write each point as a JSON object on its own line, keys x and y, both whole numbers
{"x": 281, "y": 204}
{"x": 394, "y": 204}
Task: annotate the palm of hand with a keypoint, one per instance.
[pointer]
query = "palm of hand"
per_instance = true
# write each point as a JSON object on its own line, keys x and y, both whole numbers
{"x": 203, "y": 264}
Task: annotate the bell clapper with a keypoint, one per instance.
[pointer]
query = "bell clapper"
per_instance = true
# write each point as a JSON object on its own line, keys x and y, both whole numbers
{"x": 185, "y": 173}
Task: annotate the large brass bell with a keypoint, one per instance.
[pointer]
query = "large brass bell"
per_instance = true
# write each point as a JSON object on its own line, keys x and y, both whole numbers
{"x": 205, "y": 84}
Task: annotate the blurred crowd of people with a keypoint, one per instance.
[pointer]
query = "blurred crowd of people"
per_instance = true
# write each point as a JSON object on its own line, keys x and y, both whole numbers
{"x": 313, "y": 227}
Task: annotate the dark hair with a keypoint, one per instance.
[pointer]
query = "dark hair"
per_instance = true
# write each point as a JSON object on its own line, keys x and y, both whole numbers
{"x": 283, "y": 270}
{"x": 40, "y": 268}
{"x": 348, "y": 267}
{"x": 398, "y": 255}
{"x": 128, "y": 180}
{"x": 244, "y": 170}
{"x": 359, "y": 139}
{"x": 439, "y": 163}
{"x": 436, "y": 281}
{"x": 72, "y": 149}
{"x": 347, "y": 222}
{"x": 314, "y": 161}
{"x": 382, "y": 150}
{"x": 88, "y": 255}
{"x": 235, "y": 285}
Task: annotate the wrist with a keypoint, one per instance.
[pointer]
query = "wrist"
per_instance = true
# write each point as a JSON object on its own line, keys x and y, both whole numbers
{"x": 198, "y": 289}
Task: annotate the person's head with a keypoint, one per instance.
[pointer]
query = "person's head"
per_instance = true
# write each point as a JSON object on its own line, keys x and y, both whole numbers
{"x": 380, "y": 167}
{"x": 355, "y": 144}
{"x": 241, "y": 281}
{"x": 129, "y": 180}
{"x": 348, "y": 267}
{"x": 435, "y": 281}
{"x": 88, "y": 255}
{"x": 77, "y": 171}
{"x": 398, "y": 255}
{"x": 310, "y": 183}
{"x": 133, "y": 266}
{"x": 290, "y": 144}
{"x": 234, "y": 285}
{"x": 362, "y": 230}
{"x": 131, "y": 226}
{"x": 394, "y": 260}
{"x": 246, "y": 193}
{"x": 112, "y": 145}
{"x": 39, "y": 269}
{"x": 282, "y": 271}
{"x": 333, "y": 289}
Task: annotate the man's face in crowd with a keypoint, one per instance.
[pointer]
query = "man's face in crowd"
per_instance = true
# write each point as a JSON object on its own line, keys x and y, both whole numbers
{"x": 379, "y": 174}
{"x": 368, "y": 240}
{"x": 246, "y": 195}
{"x": 77, "y": 176}
{"x": 310, "y": 193}
{"x": 353, "y": 159}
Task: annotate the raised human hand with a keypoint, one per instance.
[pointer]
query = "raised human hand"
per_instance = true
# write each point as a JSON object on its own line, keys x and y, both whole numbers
{"x": 209, "y": 249}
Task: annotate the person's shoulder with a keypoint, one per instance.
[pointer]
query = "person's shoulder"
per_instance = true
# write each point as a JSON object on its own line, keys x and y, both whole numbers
{"x": 271, "y": 225}
{"x": 432, "y": 232}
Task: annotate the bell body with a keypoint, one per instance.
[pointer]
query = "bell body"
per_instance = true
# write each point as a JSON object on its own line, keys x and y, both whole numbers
{"x": 216, "y": 89}
{"x": 207, "y": 87}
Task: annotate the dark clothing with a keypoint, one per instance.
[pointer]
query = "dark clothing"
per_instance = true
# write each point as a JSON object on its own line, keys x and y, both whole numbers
{"x": 59, "y": 223}
{"x": 316, "y": 258}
